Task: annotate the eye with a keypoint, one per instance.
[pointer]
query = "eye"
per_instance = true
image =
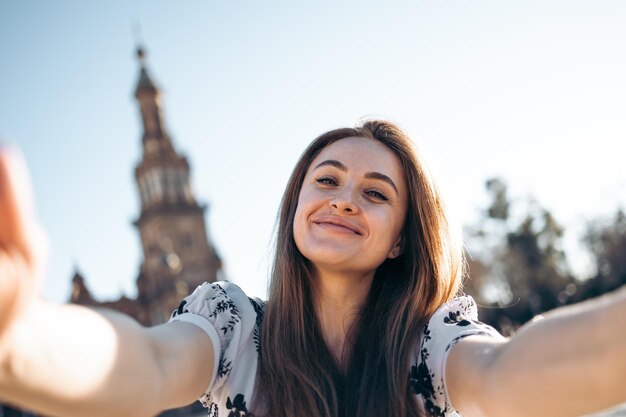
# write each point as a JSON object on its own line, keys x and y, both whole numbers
{"x": 326, "y": 180}
{"x": 378, "y": 195}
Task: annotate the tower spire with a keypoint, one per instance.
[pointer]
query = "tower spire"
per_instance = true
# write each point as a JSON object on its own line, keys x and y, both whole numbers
{"x": 145, "y": 83}
{"x": 178, "y": 254}
{"x": 155, "y": 138}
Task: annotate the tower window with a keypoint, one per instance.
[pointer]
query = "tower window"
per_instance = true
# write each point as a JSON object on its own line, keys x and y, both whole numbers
{"x": 155, "y": 176}
{"x": 188, "y": 241}
{"x": 170, "y": 184}
{"x": 180, "y": 184}
{"x": 143, "y": 192}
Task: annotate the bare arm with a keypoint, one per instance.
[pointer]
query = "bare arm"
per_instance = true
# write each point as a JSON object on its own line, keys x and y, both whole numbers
{"x": 573, "y": 362}
{"x": 72, "y": 361}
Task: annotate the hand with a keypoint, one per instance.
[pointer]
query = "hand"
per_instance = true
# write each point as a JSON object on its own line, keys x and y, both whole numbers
{"x": 21, "y": 243}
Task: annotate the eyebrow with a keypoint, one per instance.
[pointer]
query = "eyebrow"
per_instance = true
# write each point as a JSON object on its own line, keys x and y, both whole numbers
{"x": 372, "y": 175}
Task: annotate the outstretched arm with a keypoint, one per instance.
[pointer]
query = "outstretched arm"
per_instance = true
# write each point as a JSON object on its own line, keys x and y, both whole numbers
{"x": 72, "y": 361}
{"x": 570, "y": 363}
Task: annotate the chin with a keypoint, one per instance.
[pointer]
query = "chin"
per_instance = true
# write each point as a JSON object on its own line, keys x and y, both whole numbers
{"x": 339, "y": 265}
{"x": 329, "y": 259}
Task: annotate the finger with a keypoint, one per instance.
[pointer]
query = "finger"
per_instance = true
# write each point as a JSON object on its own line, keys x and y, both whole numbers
{"x": 18, "y": 227}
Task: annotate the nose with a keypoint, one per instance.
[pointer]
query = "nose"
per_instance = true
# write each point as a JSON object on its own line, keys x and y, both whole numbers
{"x": 344, "y": 201}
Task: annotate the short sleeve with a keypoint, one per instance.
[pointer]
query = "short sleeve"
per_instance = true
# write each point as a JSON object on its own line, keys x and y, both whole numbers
{"x": 228, "y": 317}
{"x": 451, "y": 322}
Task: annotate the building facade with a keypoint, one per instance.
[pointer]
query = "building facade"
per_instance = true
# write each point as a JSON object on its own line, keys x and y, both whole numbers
{"x": 178, "y": 254}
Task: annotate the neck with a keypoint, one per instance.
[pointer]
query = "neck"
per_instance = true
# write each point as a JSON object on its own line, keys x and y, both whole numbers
{"x": 339, "y": 298}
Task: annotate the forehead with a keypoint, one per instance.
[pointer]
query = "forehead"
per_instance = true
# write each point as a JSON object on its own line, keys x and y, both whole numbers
{"x": 362, "y": 154}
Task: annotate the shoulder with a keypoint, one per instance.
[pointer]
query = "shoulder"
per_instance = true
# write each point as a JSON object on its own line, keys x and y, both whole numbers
{"x": 232, "y": 321}
{"x": 219, "y": 301}
{"x": 456, "y": 317}
{"x": 451, "y": 322}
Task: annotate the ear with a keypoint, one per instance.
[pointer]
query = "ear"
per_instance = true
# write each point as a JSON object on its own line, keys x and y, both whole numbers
{"x": 397, "y": 249}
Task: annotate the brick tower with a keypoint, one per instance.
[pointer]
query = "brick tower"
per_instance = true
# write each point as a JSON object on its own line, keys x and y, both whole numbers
{"x": 177, "y": 253}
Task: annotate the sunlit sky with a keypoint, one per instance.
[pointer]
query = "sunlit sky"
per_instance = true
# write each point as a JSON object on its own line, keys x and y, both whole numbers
{"x": 533, "y": 92}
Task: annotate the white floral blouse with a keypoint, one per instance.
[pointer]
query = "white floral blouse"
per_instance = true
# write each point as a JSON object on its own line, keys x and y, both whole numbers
{"x": 232, "y": 321}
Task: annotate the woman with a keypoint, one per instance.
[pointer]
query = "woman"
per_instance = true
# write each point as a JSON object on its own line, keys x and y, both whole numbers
{"x": 361, "y": 317}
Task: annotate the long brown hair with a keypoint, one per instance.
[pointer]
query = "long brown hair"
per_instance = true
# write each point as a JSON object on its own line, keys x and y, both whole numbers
{"x": 297, "y": 374}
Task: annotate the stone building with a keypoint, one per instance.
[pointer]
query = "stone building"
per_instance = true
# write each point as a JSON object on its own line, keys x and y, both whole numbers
{"x": 177, "y": 252}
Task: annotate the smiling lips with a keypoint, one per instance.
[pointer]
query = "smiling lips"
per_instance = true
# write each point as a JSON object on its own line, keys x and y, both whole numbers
{"x": 338, "y": 224}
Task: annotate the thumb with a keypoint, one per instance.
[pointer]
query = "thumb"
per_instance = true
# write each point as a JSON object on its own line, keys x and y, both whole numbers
{"x": 20, "y": 233}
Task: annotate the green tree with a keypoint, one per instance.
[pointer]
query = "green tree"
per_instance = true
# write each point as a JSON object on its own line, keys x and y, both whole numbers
{"x": 519, "y": 265}
{"x": 606, "y": 241}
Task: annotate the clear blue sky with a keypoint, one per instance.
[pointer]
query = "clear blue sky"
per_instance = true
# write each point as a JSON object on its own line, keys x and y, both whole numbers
{"x": 532, "y": 91}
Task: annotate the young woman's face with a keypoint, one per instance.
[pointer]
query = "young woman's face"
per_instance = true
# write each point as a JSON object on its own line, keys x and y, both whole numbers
{"x": 351, "y": 207}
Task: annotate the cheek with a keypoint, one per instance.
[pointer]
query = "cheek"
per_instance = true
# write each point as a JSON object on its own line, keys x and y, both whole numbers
{"x": 390, "y": 229}
{"x": 299, "y": 225}
{"x": 304, "y": 209}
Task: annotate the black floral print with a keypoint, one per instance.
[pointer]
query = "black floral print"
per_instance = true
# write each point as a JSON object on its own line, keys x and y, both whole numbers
{"x": 238, "y": 407}
{"x": 259, "y": 309}
{"x": 455, "y": 317}
{"x": 213, "y": 410}
{"x": 424, "y": 385}
{"x": 224, "y": 368}
{"x": 181, "y": 309}
{"x": 450, "y": 324}
{"x": 225, "y": 305}
{"x": 235, "y": 321}
{"x": 420, "y": 379}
